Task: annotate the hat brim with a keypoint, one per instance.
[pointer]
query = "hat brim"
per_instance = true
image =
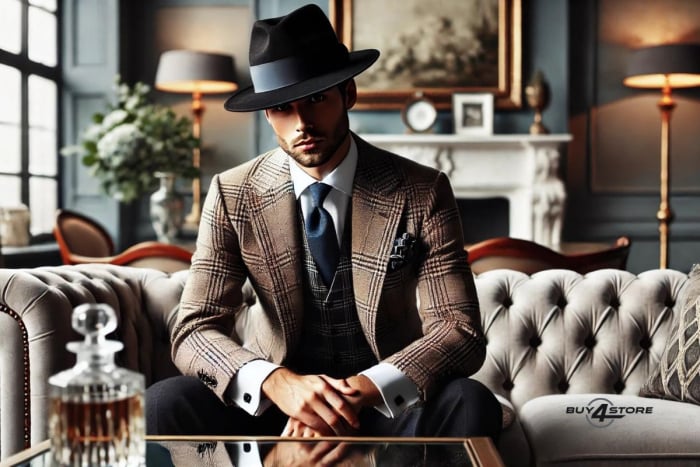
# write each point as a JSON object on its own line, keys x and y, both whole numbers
{"x": 247, "y": 100}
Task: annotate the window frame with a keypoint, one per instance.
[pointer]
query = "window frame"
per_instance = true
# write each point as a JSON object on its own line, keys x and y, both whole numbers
{"x": 27, "y": 67}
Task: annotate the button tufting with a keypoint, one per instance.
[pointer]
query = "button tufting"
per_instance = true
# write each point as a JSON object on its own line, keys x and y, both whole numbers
{"x": 535, "y": 341}
{"x": 508, "y": 385}
{"x": 645, "y": 342}
{"x": 619, "y": 387}
{"x": 563, "y": 386}
{"x": 670, "y": 303}
{"x": 561, "y": 303}
{"x": 507, "y": 302}
{"x": 615, "y": 303}
{"x": 590, "y": 342}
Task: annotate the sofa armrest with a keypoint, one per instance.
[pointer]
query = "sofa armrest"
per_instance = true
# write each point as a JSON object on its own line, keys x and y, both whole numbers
{"x": 35, "y": 325}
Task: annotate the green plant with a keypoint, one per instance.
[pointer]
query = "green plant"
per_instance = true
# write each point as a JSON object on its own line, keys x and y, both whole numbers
{"x": 136, "y": 138}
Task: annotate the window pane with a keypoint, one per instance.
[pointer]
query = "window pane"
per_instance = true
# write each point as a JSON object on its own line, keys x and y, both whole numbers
{"x": 45, "y": 4}
{"x": 9, "y": 94}
{"x": 42, "y": 152}
{"x": 42, "y": 102}
{"x": 10, "y": 24}
{"x": 10, "y": 192}
{"x": 10, "y": 158}
{"x": 42, "y": 204}
{"x": 42, "y": 36}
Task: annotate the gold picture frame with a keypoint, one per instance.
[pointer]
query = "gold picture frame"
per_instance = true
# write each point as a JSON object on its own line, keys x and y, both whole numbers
{"x": 478, "y": 50}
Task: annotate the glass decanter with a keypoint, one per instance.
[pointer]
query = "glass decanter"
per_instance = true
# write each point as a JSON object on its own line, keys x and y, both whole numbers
{"x": 96, "y": 409}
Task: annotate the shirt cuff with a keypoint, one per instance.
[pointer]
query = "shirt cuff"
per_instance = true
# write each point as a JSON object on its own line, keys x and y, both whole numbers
{"x": 245, "y": 389}
{"x": 246, "y": 454}
{"x": 397, "y": 390}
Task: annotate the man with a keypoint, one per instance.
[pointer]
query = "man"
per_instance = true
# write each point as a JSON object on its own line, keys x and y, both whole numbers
{"x": 336, "y": 238}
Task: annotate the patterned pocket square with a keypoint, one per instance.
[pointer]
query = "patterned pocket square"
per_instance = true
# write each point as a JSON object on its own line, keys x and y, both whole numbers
{"x": 401, "y": 252}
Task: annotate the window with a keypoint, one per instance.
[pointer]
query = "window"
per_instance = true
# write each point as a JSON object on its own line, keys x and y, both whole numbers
{"x": 29, "y": 84}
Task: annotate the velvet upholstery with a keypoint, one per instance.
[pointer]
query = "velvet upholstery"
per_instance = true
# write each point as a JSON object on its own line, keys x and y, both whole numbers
{"x": 555, "y": 333}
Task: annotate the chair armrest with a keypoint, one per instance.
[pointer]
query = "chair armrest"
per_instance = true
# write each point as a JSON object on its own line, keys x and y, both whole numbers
{"x": 148, "y": 249}
{"x": 161, "y": 256}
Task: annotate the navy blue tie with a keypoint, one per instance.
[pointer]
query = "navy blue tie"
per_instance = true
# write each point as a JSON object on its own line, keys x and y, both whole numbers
{"x": 320, "y": 233}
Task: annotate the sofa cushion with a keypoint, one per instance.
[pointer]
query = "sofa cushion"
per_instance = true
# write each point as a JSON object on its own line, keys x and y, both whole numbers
{"x": 597, "y": 429}
{"x": 677, "y": 376}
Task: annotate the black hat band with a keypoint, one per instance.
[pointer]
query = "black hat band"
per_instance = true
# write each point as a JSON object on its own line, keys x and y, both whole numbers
{"x": 286, "y": 71}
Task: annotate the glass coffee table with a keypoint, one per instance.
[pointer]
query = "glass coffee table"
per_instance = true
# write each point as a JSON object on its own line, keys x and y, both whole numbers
{"x": 228, "y": 451}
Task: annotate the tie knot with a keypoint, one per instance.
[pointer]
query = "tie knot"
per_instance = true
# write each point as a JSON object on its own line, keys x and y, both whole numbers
{"x": 319, "y": 191}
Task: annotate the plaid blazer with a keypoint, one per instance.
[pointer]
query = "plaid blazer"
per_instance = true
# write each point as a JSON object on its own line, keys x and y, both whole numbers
{"x": 423, "y": 317}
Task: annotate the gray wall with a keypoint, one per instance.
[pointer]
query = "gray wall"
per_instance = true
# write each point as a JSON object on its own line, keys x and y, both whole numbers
{"x": 610, "y": 168}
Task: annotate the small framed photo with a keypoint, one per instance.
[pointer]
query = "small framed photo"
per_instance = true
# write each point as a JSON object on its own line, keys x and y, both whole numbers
{"x": 473, "y": 113}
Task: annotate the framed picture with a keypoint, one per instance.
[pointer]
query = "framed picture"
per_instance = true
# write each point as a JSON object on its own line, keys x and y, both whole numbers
{"x": 436, "y": 47}
{"x": 473, "y": 114}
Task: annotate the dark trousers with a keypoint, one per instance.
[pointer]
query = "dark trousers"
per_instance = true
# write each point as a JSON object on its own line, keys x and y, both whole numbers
{"x": 183, "y": 405}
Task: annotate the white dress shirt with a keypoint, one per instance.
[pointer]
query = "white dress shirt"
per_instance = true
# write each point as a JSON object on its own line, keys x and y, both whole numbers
{"x": 397, "y": 390}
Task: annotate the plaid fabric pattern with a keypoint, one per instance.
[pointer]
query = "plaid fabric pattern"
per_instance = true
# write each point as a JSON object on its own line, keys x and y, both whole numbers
{"x": 249, "y": 237}
{"x": 332, "y": 340}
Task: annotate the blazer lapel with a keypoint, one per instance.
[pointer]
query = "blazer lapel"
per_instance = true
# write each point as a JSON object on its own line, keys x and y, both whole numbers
{"x": 377, "y": 206}
{"x": 274, "y": 219}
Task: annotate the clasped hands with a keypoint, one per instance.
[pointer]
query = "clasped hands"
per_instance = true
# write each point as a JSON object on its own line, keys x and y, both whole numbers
{"x": 318, "y": 405}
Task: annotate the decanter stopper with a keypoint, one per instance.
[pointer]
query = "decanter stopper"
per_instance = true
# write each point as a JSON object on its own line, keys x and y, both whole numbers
{"x": 94, "y": 321}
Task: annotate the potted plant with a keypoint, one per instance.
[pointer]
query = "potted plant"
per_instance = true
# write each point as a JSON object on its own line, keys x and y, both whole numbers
{"x": 137, "y": 146}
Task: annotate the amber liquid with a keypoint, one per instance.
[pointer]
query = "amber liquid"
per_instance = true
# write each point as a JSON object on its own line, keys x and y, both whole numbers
{"x": 97, "y": 433}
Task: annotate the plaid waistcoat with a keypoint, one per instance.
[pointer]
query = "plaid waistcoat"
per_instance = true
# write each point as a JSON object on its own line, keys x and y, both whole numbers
{"x": 332, "y": 341}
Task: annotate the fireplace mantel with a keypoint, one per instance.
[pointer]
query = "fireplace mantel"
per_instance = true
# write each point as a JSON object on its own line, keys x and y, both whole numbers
{"x": 524, "y": 169}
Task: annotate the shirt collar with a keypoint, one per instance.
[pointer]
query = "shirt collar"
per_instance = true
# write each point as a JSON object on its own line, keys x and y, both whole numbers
{"x": 341, "y": 178}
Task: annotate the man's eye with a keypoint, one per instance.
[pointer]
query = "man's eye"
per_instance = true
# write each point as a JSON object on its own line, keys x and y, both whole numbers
{"x": 281, "y": 108}
{"x": 316, "y": 98}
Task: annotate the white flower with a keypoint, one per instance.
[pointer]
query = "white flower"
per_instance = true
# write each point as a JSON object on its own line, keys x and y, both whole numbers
{"x": 120, "y": 142}
{"x": 114, "y": 118}
{"x": 134, "y": 139}
{"x": 132, "y": 103}
{"x": 92, "y": 132}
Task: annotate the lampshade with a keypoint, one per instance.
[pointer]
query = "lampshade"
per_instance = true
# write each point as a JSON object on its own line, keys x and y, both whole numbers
{"x": 189, "y": 71}
{"x": 677, "y": 65}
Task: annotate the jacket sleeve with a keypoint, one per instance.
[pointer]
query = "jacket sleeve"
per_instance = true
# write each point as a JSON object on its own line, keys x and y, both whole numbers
{"x": 204, "y": 342}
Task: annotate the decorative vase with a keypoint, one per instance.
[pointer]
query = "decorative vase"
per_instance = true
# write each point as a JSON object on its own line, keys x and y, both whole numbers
{"x": 167, "y": 208}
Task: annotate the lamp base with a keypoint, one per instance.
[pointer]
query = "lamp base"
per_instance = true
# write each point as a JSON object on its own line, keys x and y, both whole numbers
{"x": 192, "y": 221}
{"x": 189, "y": 229}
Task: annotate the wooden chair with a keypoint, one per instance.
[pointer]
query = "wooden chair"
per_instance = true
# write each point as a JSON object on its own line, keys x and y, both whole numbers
{"x": 83, "y": 240}
{"x": 530, "y": 257}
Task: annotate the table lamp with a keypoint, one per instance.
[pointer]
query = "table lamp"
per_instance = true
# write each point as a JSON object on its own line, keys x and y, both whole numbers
{"x": 665, "y": 67}
{"x": 196, "y": 73}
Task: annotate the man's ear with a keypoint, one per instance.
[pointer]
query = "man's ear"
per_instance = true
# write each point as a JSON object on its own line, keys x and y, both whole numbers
{"x": 265, "y": 111}
{"x": 350, "y": 94}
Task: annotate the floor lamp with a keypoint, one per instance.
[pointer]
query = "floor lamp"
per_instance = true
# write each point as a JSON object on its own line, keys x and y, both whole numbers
{"x": 665, "y": 67}
{"x": 196, "y": 73}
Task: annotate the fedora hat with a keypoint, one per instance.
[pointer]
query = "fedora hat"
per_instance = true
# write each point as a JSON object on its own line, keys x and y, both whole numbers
{"x": 295, "y": 56}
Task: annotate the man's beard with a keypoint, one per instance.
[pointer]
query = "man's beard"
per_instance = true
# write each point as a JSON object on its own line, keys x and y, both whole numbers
{"x": 320, "y": 157}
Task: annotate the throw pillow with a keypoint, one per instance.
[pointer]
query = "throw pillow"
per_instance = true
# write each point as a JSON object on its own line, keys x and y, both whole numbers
{"x": 678, "y": 374}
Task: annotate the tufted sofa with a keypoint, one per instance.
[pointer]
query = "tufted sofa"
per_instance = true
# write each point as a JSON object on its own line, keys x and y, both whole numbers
{"x": 567, "y": 355}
